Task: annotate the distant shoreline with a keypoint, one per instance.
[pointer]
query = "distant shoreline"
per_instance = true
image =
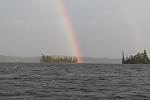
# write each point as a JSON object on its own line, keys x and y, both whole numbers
{"x": 10, "y": 59}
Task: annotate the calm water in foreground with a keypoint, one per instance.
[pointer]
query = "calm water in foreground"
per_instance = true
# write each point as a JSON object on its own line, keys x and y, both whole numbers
{"x": 74, "y": 82}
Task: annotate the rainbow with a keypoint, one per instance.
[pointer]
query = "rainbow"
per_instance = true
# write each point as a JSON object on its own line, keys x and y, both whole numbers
{"x": 135, "y": 33}
{"x": 133, "y": 28}
{"x": 68, "y": 27}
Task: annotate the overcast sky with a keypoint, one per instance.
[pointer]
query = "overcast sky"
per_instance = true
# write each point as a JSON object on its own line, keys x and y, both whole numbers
{"x": 104, "y": 27}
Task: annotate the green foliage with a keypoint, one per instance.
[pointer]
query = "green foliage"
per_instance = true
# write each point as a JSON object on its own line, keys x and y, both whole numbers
{"x": 139, "y": 58}
{"x": 58, "y": 59}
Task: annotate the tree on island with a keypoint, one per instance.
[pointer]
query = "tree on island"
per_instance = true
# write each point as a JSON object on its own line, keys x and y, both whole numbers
{"x": 139, "y": 58}
{"x": 58, "y": 59}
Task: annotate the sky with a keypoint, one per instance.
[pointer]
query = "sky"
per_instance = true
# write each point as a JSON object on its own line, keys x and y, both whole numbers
{"x": 103, "y": 27}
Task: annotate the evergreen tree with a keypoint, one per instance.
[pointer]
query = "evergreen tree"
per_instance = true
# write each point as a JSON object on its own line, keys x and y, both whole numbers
{"x": 43, "y": 58}
{"x": 145, "y": 57}
{"x": 123, "y": 59}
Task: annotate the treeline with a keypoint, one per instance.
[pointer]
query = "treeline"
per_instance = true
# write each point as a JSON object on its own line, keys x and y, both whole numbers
{"x": 58, "y": 59}
{"x": 139, "y": 58}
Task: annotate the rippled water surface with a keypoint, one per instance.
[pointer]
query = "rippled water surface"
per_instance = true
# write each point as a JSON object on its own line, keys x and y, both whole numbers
{"x": 74, "y": 82}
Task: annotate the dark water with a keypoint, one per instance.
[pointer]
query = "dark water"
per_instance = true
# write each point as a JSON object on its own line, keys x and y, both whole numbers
{"x": 74, "y": 82}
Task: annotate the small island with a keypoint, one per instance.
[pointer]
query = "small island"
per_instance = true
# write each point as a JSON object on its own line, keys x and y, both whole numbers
{"x": 59, "y": 59}
{"x": 139, "y": 58}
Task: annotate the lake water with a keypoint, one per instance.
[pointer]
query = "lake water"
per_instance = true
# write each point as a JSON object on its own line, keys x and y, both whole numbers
{"x": 74, "y": 82}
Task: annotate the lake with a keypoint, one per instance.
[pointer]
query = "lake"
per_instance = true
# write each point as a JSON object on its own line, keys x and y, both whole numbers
{"x": 74, "y": 82}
